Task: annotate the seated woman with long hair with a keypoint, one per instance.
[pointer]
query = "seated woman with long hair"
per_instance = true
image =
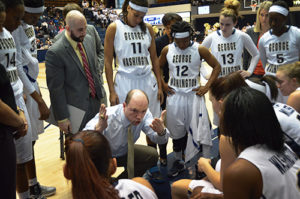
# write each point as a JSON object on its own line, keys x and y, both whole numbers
{"x": 217, "y": 93}
{"x": 89, "y": 166}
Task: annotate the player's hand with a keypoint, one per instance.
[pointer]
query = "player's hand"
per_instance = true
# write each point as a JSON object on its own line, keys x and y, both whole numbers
{"x": 245, "y": 73}
{"x": 102, "y": 122}
{"x": 22, "y": 130}
{"x": 158, "y": 123}
{"x": 65, "y": 126}
{"x": 203, "y": 163}
{"x": 201, "y": 90}
{"x": 114, "y": 99}
{"x": 168, "y": 90}
{"x": 160, "y": 96}
{"x": 44, "y": 110}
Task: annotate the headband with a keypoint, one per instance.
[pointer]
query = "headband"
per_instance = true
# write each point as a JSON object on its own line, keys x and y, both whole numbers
{"x": 79, "y": 140}
{"x": 138, "y": 8}
{"x": 256, "y": 86}
{"x": 279, "y": 9}
{"x": 180, "y": 35}
{"x": 34, "y": 10}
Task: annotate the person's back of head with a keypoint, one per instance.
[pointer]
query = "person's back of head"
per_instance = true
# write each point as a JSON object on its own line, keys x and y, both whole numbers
{"x": 224, "y": 85}
{"x": 69, "y": 7}
{"x": 169, "y": 17}
{"x": 231, "y": 9}
{"x": 248, "y": 118}
{"x": 88, "y": 157}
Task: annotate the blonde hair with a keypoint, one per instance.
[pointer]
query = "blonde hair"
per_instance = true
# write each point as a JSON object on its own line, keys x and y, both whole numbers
{"x": 263, "y": 6}
{"x": 231, "y": 9}
{"x": 291, "y": 70}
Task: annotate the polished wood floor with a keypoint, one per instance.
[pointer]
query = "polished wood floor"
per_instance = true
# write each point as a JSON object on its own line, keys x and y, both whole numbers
{"x": 47, "y": 151}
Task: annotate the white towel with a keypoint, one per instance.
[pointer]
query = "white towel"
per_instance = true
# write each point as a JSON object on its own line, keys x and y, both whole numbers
{"x": 199, "y": 130}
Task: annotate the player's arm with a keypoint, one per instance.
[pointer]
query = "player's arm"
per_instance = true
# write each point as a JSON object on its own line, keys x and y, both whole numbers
{"x": 242, "y": 180}
{"x": 212, "y": 62}
{"x": 252, "y": 49}
{"x": 294, "y": 101}
{"x": 155, "y": 63}
{"x": 109, "y": 54}
{"x": 262, "y": 52}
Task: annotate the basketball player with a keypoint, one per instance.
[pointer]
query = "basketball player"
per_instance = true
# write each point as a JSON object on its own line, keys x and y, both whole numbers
{"x": 265, "y": 166}
{"x": 28, "y": 69}
{"x": 82, "y": 152}
{"x": 183, "y": 57}
{"x": 132, "y": 40}
{"x": 281, "y": 44}
{"x": 14, "y": 13}
{"x": 227, "y": 43}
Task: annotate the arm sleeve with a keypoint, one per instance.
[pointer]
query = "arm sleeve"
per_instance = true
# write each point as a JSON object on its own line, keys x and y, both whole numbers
{"x": 207, "y": 41}
{"x": 19, "y": 63}
{"x": 55, "y": 82}
{"x": 262, "y": 52}
{"x": 246, "y": 55}
{"x": 92, "y": 123}
{"x": 154, "y": 137}
{"x": 100, "y": 51}
{"x": 252, "y": 49}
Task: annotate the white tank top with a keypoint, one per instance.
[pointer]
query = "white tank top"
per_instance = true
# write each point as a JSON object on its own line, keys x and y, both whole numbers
{"x": 131, "y": 46}
{"x": 278, "y": 171}
{"x": 281, "y": 50}
{"x": 8, "y": 60}
{"x": 289, "y": 120}
{"x": 227, "y": 50}
{"x": 298, "y": 89}
{"x": 184, "y": 67}
{"x": 129, "y": 189}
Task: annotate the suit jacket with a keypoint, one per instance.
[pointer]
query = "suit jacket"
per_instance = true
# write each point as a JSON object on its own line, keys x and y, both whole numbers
{"x": 247, "y": 57}
{"x": 66, "y": 78}
{"x": 91, "y": 30}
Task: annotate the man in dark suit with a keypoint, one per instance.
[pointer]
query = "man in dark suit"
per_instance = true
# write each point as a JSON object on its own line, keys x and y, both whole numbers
{"x": 71, "y": 73}
{"x": 90, "y": 30}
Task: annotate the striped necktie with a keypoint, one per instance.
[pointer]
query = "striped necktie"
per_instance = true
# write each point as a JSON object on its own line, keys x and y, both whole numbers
{"x": 87, "y": 71}
{"x": 130, "y": 153}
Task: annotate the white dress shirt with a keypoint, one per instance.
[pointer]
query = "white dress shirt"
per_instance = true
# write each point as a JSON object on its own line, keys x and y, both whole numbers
{"x": 116, "y": 132}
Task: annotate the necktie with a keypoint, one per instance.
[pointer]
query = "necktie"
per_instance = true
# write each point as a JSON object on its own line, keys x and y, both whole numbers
{"x": 87, "y": 71}
{"x": 130, "y": 154}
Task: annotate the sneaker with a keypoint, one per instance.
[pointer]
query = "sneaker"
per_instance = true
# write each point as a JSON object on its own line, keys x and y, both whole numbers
{"x": 163, "y": 162}
{"x": 47, "y": 191}
{"x": 178, "y": 166}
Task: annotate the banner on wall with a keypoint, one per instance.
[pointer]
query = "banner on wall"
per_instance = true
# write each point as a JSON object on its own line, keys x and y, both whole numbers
{"x": 157, "y": 19}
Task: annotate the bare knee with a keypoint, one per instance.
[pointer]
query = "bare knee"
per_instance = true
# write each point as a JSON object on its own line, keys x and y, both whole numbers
{"x": 180, "y": 189}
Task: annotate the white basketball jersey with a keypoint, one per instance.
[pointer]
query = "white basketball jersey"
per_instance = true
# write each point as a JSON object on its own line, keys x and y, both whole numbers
{"x": 227, "y": 50}
{"x": 131, "y": 47}
{"x": 29, "y": 40}
{"x": 278, "y": 171}
{"x": 184, "y": 67}
{"x": 129, "y": 189}
{"x": 281, "y": 50}
{"x": 289, "y": 120}
{"x": 8, "y": 60}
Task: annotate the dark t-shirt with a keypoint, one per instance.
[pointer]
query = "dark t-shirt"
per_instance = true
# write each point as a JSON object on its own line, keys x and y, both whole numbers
{"x": 6, "y": 93}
